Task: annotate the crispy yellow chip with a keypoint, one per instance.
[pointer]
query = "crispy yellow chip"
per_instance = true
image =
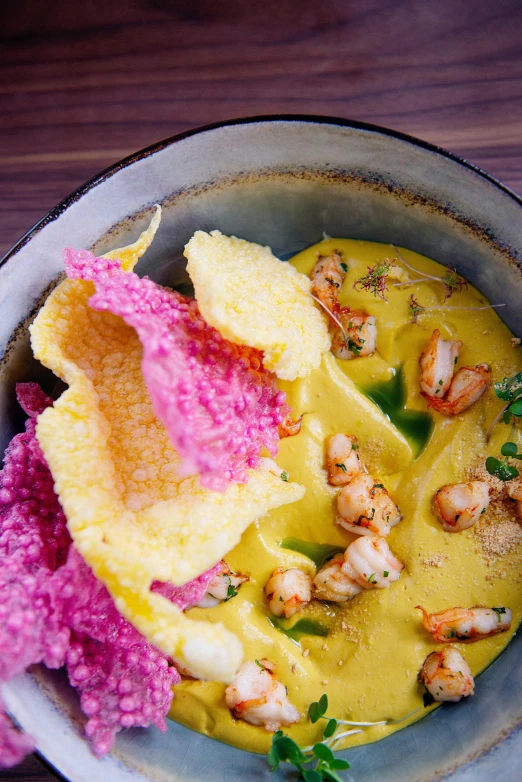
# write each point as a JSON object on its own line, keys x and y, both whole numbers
{"x": 129, "y": 256}
{"x": 252, "y": 298}
{"x": 131, "y": 516}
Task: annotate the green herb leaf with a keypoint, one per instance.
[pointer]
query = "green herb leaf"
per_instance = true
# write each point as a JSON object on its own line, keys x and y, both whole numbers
{"x": 318, "y": 708}
{"x": 329, "y": 773}
{"x": 378, "y": 486}
{"x": 516, "y": 408}
{"x": 386, "y": 573}
{"x": 323, "y": 752}
{"x": 499, "y": 610}
{"x": 231, "y": 592}
{"x": 344, "y": 267}
{"x": 509, "y": 388}
{"x": 330, "y": 729}
{"x": 339, "y": 764}
{"x": 509, "y": 449}
{"x": 342, "y": 466}
{"x": 284, "y": 476}
{"x": 505, "y": 472}
{"x": 287, "y": 750}
{"x": 428, "y": 699}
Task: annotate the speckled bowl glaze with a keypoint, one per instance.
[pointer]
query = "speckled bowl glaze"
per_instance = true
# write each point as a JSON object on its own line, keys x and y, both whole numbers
{"x": 280, "y": 181}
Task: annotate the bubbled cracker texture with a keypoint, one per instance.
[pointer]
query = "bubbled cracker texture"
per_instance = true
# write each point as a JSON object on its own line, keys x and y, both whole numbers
{"x": 219, "y": 405}
{"x": 53, "y": 609}
{"x": 252, "y": 298}
{"x": 14, "y": 745}
{"x": 132, "y": 515}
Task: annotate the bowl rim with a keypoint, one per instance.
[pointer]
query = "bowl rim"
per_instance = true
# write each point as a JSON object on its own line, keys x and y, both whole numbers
{"x": 318, "y": 119}
{"x": 297, "y": 118}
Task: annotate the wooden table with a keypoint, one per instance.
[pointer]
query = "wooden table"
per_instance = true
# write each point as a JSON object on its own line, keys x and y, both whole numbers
{"x": 86, "y": 83}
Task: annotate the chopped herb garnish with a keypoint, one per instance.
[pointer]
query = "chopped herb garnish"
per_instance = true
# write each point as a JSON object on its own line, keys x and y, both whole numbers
{"x": 428, "y": 699}
{"x": 378, "y": 486}
{"x": 341, "y": 466}
{"x": 370, "y": 579}
{"x": 284, "y": 476}
{"x": 500, "y": 610}
{"x": 344, "y": 267}
{"x": 386, "y": 573}
{"x": 441, "y": 382}
{"x": 232, "y": 591}
{"x": 257, "y": 662}
{"x": 354, "y": 347}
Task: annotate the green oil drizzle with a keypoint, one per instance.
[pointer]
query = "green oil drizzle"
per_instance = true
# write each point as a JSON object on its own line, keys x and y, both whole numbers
{"x": 301, "y": 627}
{"x": 390, "y": 398}
{"x": 317, "y": 552}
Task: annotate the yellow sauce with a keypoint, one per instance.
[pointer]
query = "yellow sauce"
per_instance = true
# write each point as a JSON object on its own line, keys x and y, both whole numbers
{"x": 375, "y": 646}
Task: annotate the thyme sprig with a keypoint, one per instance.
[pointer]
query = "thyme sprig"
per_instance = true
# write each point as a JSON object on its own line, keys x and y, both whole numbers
{"x": 510, "y": 391}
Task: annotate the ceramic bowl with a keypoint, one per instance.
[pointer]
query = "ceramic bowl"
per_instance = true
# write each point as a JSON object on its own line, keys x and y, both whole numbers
{"x": 280, "y": 181}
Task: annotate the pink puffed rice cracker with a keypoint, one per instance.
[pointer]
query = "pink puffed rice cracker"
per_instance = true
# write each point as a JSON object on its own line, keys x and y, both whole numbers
{"x": 54, "y": 610}
{"x": 218, "y": 403}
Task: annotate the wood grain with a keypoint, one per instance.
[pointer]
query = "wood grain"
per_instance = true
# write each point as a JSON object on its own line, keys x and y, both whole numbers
{"x": 85, "y": 84}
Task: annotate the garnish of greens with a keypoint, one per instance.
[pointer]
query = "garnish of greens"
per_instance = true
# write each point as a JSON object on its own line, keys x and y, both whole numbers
{"x": 377, "y": 280}
{"x": 318, "y": 762}
{"x": 510, "y": 391}
{"x": 417, "y": 309}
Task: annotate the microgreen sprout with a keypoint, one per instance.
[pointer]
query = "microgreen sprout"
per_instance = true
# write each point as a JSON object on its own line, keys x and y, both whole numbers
{"x": 510, "y": 391}
{"x": 417, "y": 309}
{"x": 376, "y": 279}
{"x": 452, "y": 281}
{"x": 330, "y": 314}
{"x": 284, "y": 749}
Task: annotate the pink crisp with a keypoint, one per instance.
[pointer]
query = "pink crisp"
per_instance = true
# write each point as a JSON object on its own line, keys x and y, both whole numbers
{"x": 123, "y": 681}
{"x": 52, "y": 608}
{"x": 218, "y": 403}
{"x": 14, "y": 745}
{"x": 189, "y": 594}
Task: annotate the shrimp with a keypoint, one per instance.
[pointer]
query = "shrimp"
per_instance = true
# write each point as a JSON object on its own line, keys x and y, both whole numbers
{"x": 328, "y": 276}
{"x": 466, "y": 624}
{"x": 460, "y": 505}
{"x": 372, "y": 562}
{"x": 336, "y": 581}
{"x": 514, "y": 490}
{"x": 288, "y": 427}
{"x": 358, "y": 336}
{"x": 223, "y": 586}
{"x": 437, "y": 364}
{"x": 258, "y": 697}
{"x": 466, "y": 388}
{"x": 342, "y": 459}
{"x": 287, "y": 591}
{"x": 366, "y": 508}
{"x": 446, "y": 675}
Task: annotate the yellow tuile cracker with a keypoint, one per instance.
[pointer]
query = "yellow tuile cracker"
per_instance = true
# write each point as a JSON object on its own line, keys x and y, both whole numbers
{"x": 254, "y": 299}
{"x": 131, "y": 516}
{"x": 130, "y": 255}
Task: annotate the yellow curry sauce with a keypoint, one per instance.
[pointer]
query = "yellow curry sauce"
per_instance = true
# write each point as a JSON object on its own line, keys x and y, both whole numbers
{"x": 368, "y": 661}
